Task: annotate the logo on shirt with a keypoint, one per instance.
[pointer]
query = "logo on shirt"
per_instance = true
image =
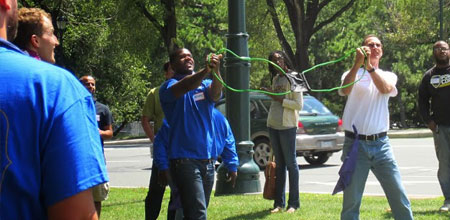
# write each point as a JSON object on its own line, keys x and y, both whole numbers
{"x": 439, "y": 81}
{"x": 97, "y": 117}
{"x": 199, "y": 96}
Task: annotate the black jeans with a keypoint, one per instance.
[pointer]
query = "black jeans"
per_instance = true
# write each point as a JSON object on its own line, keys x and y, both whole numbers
{"x": 154, "y": 198}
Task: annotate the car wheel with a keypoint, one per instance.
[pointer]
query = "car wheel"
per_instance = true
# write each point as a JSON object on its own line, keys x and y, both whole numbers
{"x": 317, "y": 158}
{"x": 262, "y": 152}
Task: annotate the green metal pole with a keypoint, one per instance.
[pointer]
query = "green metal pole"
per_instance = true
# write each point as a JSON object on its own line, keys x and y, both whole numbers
{"x": 237, "y": 105}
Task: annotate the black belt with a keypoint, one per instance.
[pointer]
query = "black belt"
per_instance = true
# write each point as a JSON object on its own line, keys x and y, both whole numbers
{"x": 200, "y": 160}
{"x": 372, "y": 137}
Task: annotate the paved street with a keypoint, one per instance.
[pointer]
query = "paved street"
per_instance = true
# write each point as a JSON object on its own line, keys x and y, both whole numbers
{"x": 130, "y": 166}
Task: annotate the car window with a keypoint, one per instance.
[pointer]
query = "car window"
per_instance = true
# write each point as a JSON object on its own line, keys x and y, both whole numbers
{"x": 312, "y": 106}
{"x": 266, "y": 104}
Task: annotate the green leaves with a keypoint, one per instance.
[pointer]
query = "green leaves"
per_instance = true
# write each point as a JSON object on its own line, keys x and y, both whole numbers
{"x": 125, "y": 50}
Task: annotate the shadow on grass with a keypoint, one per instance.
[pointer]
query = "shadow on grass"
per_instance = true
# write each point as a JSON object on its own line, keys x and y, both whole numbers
{"x": 431, "y": 213}
{"x": 416, "y": 214}
{"x": 122, "y": 203}
{"x": 388, "y": 215}
{"x": 254, "y": 215}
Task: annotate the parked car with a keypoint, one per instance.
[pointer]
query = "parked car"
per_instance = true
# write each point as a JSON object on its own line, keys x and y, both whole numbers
{"x": 319, "y": 131}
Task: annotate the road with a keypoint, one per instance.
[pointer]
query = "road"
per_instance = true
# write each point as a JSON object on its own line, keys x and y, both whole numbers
{"x": 130, "y": 166}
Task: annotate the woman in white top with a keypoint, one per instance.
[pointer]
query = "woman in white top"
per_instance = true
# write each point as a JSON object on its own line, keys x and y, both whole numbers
{"x": 282, "y": 123}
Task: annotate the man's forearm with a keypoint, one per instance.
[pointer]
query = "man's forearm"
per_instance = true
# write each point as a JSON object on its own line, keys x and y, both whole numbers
{"x": 351, "y": 76}
{"x": 106, "y": 134}
{"x": 147, "y": 128}
{"x": 424, "y": 111}
{"x": 188, "y": 83}
{"x": 380, "y": 83}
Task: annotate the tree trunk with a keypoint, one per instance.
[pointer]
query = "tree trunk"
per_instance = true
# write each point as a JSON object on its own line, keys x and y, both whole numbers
{"x": 169, "y": 28}
{"x": 303, "y": 16}
{"x": 401, "y": 106}
{"x": 170, "y": 25}
{"x": 117, "y": 130}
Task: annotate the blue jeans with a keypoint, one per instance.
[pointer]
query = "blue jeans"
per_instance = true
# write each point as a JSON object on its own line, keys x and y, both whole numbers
{"x": 376, "y": 156}
{"x": 194, "y": 180}
{"x": 283, "y": 145}
{"x": 442, "y": 146}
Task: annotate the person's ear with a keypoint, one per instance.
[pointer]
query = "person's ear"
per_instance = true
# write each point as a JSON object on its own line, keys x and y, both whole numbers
{"x": 34, "y": 40}
{"x": 4, "y": 5}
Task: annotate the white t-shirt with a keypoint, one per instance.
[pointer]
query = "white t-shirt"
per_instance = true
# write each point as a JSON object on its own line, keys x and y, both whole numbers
{"x": 366, "y": 107}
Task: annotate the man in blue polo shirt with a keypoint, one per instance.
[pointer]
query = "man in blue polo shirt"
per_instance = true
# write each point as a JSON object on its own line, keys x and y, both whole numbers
{"x": 224, "y": 146}
{"x": 50, "y": 151}
{"x": 188, "y": 102}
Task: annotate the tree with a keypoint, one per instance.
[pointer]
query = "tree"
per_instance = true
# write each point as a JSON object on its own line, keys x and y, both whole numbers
{"x": 304, "y": 20}
{"x": 94, "y": 45}
{"x": 167, "y": 28}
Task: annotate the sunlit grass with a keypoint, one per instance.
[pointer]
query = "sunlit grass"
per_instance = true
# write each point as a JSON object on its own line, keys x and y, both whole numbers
{"x": 128, "y": 203}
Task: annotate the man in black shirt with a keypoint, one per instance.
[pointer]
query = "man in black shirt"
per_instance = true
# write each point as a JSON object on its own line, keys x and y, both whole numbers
{"x": 105, "y": 121}
{"x": 434, "y": 99}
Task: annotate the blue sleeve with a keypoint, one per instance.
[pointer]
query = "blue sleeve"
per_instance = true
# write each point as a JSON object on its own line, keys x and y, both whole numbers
{"x": 229, "y": 155}
{"x": 160, "y": 147}
{"x": 165, "y": 93}
{"x": 72, "y": 159}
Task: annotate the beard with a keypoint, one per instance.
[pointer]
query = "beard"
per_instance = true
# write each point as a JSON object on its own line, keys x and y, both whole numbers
{"x": 443, "y": 61}
{"x": 11, "y": 26}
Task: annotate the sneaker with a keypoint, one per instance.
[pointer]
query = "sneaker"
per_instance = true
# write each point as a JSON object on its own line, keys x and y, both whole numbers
{"x": 445, "y": 207}
{"x": 276, "y": 210}
{"x": 290, "y": 210}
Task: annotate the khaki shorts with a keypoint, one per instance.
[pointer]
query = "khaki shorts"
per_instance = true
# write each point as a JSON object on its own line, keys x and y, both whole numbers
{"x": 100, "y": 192}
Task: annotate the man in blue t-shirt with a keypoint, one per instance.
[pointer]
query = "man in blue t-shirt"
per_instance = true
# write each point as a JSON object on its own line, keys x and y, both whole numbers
{"x": 50, "y": 151}
{"x": 188, "y": 101}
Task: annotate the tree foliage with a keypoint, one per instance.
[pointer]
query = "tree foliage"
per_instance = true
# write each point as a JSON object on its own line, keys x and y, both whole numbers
{"x": 125, "y": 43}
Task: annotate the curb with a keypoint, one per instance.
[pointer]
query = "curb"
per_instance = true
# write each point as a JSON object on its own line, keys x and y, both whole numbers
{"x": 416, "y": 133}
{"x": 131, "y": 141}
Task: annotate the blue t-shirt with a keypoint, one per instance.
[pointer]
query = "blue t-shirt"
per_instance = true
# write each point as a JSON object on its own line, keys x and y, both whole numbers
{"x": 49, "y": 141}
{"x": 225, "y": 143}
{"x": 190, "y": 119}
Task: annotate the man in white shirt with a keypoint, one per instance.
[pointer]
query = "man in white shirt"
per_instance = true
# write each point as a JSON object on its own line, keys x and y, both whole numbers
{"x": 367, "y": 109}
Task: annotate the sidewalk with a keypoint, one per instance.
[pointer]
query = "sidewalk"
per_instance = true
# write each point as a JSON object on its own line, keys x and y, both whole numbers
{"x": 397, "y": 133}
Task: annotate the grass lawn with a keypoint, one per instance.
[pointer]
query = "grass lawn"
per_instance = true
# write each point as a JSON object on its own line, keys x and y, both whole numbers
{"x": 128, "y": 203}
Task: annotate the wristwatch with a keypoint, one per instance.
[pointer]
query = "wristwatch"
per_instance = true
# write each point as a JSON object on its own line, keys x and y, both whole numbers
{"x": 371, "y": 70}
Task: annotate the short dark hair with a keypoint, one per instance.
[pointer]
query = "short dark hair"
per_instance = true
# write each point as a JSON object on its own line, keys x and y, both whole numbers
{"x": 87, "y": 76}
{"x": 173, "y": 55}
{"x": 166, "y": 66}
{"x": 30, "y": 22}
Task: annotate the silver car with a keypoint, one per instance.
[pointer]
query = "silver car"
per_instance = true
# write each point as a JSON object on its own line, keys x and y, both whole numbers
{"x": 319, "y": 132}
